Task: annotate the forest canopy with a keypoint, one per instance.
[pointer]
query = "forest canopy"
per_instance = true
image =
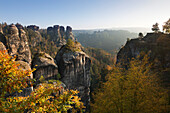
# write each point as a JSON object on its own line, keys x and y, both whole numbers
{"x": 132, "y": 90}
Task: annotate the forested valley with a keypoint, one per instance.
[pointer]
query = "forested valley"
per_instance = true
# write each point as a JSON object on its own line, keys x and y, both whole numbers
{"x": 107, "y": 71}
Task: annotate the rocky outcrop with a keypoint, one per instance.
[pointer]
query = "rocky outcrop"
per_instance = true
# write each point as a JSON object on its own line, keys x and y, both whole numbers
{"x": 74, "y": 68}
{"x": 69, "y": 34}
{"x": 62, "y": 31}
{"x": 18, "y": 44}
{"x": 73, "y": 63}
{"x": 33, "y": 27}
{"x": 19, "y": 26}
{"x": 59, "y": 35}
{"x": 54, "y": 31}
{"x": 45, "y": 66}
{"x": 157, "y": 45}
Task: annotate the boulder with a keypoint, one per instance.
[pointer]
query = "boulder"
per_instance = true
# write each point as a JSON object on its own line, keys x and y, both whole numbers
{"x": 45, "y": 66}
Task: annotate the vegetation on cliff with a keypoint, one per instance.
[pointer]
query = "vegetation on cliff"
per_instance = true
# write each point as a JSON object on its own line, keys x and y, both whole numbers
{"x": 73, "y": 46}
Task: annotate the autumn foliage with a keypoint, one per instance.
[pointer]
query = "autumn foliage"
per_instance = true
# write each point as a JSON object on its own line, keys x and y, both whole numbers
{"x": 45, "y": 98}
{"x": 132, "y": 90}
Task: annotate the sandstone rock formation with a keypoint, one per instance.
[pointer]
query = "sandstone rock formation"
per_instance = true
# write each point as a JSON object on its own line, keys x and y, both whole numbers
{"x": 19, "y": 26}
{"x": 69, "y": 34}
{"x": 33, "y": 27}
{"x": 62, "y": 31}
{"x": 74, "y": 68}
{"x": 45, "y": 67}
{"x": 59, "y": 35}
{"x": 73, "y": 63}
{"x": 18, "y": 44}
{"x": 157, "y": 45}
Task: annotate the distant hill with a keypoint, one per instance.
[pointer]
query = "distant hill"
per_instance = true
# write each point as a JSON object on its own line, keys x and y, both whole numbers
{"x": 133, "y": 29}
{"x": 109, "y": 40}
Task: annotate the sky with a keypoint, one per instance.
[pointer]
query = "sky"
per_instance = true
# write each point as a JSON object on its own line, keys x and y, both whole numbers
{"x": 85, "y": 14}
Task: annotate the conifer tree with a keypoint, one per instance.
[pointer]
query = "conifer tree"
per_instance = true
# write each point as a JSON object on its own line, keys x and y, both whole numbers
{"x": 155, "y": 28}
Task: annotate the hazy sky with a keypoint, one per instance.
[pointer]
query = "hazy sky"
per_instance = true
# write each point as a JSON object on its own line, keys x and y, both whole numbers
{"x": 85, "y": 14}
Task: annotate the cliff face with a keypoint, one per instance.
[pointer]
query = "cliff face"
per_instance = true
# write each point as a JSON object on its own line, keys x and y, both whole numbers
{"x": 45, "y": 67}
{"x": 69, "y": 34}
{"x": 74, "y": 68}
{"x": 158, "y": 47}
{"x": 18, "y": 44}
{"x": 16, "y": 41}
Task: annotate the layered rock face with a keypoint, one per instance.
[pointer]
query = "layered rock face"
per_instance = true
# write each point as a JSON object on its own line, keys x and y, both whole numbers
{"x": 18, "y": 44}
{"x": 74, "y": 68}
{"x": 45, "y": 67}
{"x": 59, "y": 35}
{"x": 158, "y": 47}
